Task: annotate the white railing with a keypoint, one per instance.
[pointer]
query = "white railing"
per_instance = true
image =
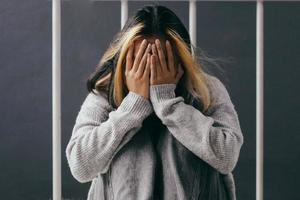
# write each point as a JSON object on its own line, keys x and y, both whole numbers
{"x": 56, "y": 85}
{"x": 259, "y": 98}
{"x": 56, "y": 99}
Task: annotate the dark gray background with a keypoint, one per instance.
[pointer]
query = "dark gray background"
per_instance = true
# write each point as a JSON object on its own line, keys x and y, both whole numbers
{"x": 224, "y": 29}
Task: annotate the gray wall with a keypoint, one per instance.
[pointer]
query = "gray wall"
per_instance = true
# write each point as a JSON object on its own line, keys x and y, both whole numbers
{"x": 224, "y": 30}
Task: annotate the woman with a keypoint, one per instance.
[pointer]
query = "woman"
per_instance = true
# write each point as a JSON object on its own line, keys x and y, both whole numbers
{"x": 155, "y": 125}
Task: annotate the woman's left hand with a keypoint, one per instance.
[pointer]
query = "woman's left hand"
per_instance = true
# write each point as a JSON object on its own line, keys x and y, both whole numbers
{"x": 162, "y": 70}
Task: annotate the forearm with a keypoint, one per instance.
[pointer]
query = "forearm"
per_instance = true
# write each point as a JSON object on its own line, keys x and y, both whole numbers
{"x": 216, "y": 139}
{"x": 94, "y": 143}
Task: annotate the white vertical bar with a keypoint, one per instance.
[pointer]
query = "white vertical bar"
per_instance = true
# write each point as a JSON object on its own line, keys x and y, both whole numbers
{"x": 259, "y": 99}
{"x": 124, "y": 12}
{"x": 192, "y": 23}
{"x": 56, "y": 99}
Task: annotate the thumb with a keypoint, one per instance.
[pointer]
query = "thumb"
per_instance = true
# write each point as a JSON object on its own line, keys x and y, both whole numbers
{"x": 180, "y": 72}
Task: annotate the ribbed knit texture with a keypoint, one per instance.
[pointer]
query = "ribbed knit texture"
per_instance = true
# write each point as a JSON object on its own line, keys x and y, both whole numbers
{"x": 94, "y": 142}
{"x": 100, "y": 132}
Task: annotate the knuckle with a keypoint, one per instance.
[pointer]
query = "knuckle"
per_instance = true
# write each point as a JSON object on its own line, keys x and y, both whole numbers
{"x": 135, "y": 76}
{"x": 129, "y": 74}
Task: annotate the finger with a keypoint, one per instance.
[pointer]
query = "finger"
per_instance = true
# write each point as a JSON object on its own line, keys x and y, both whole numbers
{"x": 153, "y": 69}
{"x": 156, "y": 63}
{"x": 154, "y": 50}
{"x": 180, "y": 72}
{"x": 147, "y": 70}
{"x": 170, "y": 57}
{"x": 142, "y": 64}
{"x": 129, "y": 59}
{"x": 139, "y": 55}
{"x": 161, "y": 55}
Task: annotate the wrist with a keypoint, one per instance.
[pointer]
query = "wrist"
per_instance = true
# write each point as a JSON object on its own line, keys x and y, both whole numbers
{"x": 162, "y": 92}
{"x": 136, "y": 103}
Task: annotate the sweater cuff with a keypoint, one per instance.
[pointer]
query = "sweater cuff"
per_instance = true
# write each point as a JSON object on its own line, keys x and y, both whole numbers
{"x": 162, "y": 92}
{"x": 137, "y": 104}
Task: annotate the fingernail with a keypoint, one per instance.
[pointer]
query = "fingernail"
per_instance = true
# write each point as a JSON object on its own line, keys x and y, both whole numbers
{"x": 144, "y": 41}
{"x": 154, "y": 50}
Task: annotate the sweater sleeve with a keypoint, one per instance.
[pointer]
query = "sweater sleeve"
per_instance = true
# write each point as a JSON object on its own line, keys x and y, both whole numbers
{"x": 99, "y": 133}
{"x": 215, "y": 138}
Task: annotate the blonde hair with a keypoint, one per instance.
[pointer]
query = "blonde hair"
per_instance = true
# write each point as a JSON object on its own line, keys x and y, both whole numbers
{"x": 194, "y": 78}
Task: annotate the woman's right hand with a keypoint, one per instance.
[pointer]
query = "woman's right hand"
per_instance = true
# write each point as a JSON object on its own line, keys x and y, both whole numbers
{"x": 138, "y": 70}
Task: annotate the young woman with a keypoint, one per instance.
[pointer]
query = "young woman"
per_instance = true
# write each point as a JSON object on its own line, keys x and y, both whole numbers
{"x": 155, "y": 125}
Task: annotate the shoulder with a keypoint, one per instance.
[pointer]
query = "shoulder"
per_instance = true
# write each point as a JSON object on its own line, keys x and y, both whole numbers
{"x": 96, "y": 100}
{"x": 218, "y": 90}
{"x": 95, "y": 107}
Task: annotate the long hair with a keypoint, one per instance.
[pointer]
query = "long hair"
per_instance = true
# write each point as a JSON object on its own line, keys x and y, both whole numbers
{"x": 109, "y": 75}
{"x": 151, "y": 20}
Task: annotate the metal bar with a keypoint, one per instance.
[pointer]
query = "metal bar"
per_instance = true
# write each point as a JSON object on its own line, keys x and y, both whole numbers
{"x": 193, "y": 23}
{"x": 124, "y": 12}
{"x": 56, "y": 98}
{"x": 259, "y": 99}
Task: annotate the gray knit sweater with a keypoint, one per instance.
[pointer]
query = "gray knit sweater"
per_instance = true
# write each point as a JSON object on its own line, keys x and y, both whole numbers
{"x": 103, "y": 140}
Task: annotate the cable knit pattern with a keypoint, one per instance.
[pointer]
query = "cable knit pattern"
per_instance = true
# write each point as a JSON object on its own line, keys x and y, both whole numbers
{"x": 100, "y": 132}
